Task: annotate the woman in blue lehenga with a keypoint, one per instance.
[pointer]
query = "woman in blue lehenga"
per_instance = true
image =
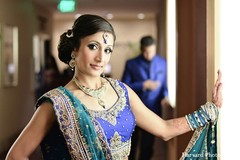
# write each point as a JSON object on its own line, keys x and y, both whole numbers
{"x": 93, "y": 117}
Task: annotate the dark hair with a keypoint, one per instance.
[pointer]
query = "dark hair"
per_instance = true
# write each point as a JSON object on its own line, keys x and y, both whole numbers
{"x": 146, "y": 41}
{"x": 83, "y": 26}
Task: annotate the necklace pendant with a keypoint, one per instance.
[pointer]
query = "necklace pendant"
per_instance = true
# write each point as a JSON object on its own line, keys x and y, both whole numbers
{"x": 101, "y": 103}
{"x": 93, "y": 92}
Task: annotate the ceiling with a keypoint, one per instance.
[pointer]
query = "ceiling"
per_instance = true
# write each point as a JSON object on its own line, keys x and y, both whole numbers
{"x": 119, "y": 8}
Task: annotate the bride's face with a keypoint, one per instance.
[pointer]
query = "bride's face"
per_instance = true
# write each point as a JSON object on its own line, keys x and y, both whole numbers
{"x": 94, "y": 53}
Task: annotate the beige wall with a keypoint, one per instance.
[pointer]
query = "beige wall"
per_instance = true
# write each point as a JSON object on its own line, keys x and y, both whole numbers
{"x": 128, "y": 34}
{"x": 17, "y": 103}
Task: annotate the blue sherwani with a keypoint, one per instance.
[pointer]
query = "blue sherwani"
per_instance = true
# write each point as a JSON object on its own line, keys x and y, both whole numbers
{"x": 137, "y": 70}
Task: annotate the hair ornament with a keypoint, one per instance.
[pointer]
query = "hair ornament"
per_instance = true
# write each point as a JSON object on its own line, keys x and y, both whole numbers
{"x": 69, "y": 33}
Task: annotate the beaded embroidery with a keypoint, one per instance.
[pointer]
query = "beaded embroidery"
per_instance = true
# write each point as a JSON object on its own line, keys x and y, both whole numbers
{"x": 119, "y": 120}
{"x": 112, "y": 113}
{"x": 115, "y": 118}
{"x": 69, "y": 125}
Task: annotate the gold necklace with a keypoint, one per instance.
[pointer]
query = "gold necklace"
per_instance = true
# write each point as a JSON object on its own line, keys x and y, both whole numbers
{"x": 96, "y": 93}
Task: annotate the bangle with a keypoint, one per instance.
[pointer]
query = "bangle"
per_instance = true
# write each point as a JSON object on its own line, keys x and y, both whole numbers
{"x": 205, "y": 114}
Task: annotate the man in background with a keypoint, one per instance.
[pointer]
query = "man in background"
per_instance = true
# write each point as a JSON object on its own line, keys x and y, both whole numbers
{"x": 146, "y": 75}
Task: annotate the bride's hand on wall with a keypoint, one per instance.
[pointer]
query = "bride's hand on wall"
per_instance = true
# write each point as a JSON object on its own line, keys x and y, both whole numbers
{"x": 217, "y": 91}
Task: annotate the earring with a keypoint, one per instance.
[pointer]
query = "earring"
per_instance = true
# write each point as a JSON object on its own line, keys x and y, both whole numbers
{"x": 72, "y": 62}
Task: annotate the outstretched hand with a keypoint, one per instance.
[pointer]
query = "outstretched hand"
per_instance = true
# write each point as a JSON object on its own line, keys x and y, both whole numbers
{"x": 217, "y": 91}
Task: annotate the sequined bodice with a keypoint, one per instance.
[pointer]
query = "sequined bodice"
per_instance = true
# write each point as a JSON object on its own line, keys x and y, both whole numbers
{"x": 113, "y": 127}
{"x": 118, "y": 122}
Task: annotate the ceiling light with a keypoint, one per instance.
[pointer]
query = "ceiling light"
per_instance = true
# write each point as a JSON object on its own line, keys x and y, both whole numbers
{"x": 109, "y": 16}
{"x": 141, "y": 16}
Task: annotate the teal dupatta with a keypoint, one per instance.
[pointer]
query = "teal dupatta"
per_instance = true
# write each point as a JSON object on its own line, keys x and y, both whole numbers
{"x": 84, "y": 141}
{"x": 203, "y": 144}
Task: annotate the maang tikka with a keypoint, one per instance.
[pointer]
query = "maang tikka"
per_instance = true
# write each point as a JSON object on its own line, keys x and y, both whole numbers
{"x": 105, "y": 37}
{"x": 72, "y": 62}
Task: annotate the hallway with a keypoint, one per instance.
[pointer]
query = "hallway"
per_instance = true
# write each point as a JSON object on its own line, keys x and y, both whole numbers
{"x": 197, "y": 54}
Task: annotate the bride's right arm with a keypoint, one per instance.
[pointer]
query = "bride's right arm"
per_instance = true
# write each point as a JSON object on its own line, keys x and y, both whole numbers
{"x": 32, "y": 135}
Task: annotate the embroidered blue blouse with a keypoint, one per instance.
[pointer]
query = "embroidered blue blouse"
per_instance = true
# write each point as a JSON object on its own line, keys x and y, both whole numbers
{"x": 117, "y": 123}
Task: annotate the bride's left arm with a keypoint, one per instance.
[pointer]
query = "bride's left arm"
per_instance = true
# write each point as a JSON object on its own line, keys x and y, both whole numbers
{"x": 152, "y": 123}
